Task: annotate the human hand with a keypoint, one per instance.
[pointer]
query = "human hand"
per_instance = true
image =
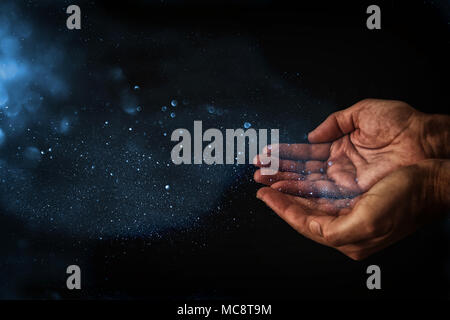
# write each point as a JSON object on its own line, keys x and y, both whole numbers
{"x": 393, "y": 208}
{"x": 356, "y": 147}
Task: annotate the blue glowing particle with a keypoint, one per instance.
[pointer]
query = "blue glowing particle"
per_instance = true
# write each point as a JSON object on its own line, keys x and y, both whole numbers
{"x": 172, "y": 115}
{"x": 139, "y": 108}
{"x": 174, "y": 103}
{"x": 136, "y": 87}
{"x": 211, "y": 109}
{"x": 247, "y": 125}
{"x": 164, "y": 108}
{"x": 167, "y": 187}
{"x": 130, "y": 129}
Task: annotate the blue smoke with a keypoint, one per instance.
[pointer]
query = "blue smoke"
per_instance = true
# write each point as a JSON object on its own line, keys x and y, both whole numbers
{"x": 27, "y": 73}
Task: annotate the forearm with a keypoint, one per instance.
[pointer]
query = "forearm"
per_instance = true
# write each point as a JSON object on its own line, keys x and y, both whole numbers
{"x": 436, "y": 135}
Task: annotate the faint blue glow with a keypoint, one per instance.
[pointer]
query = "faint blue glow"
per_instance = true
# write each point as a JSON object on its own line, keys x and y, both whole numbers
{"x": 9, "y": 69}
{"x": 9, "y": 46}
{"x": 129, "y": 103}
{"x": 117, "y": 74}
{"x": 2, "y": 136}
{"x": 247, "y": 125}
{"x": 130, "y": 110}
{"x": 32, "y": 153}
{"x": 173, "y": 115}
{"x": 167, "y": 187}
{"x": 33, "y": 101}
{"x": 3, "y": 96}
{"x": 174, "y": 103}
{"x": 25, "y": 76}
{"x": 163, "y": 108}
{"x": 64, "y": 125}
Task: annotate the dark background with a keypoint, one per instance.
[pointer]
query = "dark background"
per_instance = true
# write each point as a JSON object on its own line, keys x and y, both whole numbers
{"x": 246, "y": 251}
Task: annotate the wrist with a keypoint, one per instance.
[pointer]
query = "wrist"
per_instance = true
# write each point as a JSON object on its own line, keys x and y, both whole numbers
{"x": 435, "y": 184}
{"x": 435, "y": 135}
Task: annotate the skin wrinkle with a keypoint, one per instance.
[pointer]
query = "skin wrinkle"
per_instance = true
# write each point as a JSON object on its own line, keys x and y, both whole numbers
{"x": 436, "y": 136}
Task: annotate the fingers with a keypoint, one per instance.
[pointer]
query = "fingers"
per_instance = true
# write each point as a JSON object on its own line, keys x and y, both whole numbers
{"x": 331, "y": 230}
{"x": 270, "y": 179}
{"x": 280, "y": 176}
{"x": 301, "y": 151}
{"x": 327, "y": 206}
{"x": 320, "y": 187}
{"x": 312, "y": 166}
{"x": 292, "y": 166}
{"x": 335, "y": 126}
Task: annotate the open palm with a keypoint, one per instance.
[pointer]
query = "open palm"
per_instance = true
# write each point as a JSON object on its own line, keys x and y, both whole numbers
{"x": 350, "y": 151}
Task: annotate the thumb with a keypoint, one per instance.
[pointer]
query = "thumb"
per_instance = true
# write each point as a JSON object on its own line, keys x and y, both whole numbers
{"x": 335, "y": 126}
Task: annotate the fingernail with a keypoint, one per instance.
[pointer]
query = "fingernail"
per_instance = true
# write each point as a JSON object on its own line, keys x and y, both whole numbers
{"x": 315, "y": 228}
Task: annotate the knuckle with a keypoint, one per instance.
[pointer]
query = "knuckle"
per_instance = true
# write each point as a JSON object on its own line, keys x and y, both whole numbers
{"x": 372, "y": 230}
{"x": 332, "y": 238}
{"x": 377, "y": 229}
